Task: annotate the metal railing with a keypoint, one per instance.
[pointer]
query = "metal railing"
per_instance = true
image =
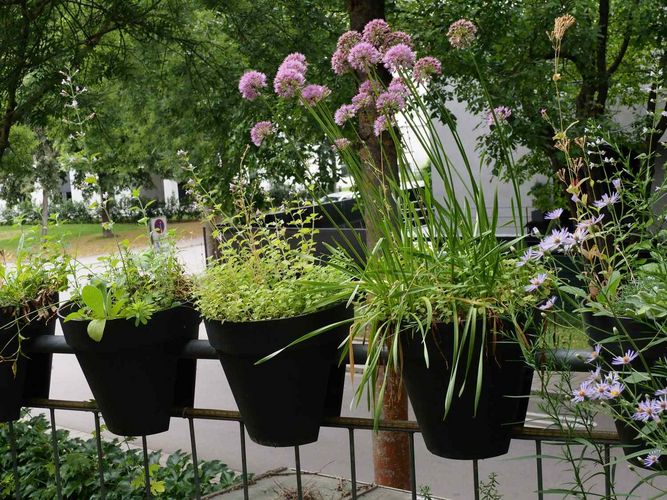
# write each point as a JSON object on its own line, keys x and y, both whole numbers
{"x": 200, "y": 349}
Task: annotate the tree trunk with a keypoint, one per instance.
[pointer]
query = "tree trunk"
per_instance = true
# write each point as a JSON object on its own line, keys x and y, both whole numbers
{"x": 107, "y": 232}
{"x": 45, "y": 211}
{"x": 391, "y": 456}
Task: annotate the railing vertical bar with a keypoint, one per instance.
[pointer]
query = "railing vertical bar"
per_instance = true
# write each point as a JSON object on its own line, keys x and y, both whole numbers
{"x": 297, "y": 463}
{"x": 538, "y": 463}
{"x": 244, "y": 463}
{"x": 100, "y": 455}
{"x": 353, "y": 464}
{"x": 56, "y": 458}
{"x": 607, "y": 471}
{"x": 475, "y": 477}
{"x": 147, "y": 472}
{"x": 15, "y": 461}
{"x": 195, "y": 464}
{"x": 413, "y": 468}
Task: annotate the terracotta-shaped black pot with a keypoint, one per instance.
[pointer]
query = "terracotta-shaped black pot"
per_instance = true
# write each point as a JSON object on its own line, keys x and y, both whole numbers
{"x": 629, "y": 331}
{"x": 283, "y": 400}
{"x": 132, "y": 370}
{"x": 12, "y": 386}
{"x": 505, "y": 386}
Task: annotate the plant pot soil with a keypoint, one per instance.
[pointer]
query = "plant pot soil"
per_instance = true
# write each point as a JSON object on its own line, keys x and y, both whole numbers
{"x": 12, "y": 386}
{"x": 600, "y": 328}
{"x": 283, "y": 400}
{"x": 503, "y": 401}
{"x": 132, "y": 370}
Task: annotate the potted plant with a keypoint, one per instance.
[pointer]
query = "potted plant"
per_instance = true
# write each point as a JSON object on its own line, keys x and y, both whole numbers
{"x": 127, "y": 323}
{"x": 438, "y": 296}
{"x": 262, "y": 296}
{"x": 29, "y": 289}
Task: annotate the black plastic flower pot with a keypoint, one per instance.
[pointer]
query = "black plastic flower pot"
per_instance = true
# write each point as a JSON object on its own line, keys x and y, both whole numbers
{"x": 632, "y": 445}
{"x": 630, "y": 334}
{"x": 132, "y": 370}
{"x": 13, "y": 384}
{"x": 283, "y": 400}
{"x": 466, "y": 433}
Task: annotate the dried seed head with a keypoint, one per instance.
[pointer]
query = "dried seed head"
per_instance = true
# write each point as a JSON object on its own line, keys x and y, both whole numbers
{"x": 561, "y": 25}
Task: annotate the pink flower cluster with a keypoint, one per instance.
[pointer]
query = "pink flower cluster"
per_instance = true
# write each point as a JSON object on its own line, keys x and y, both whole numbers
{"x": 462, "y": 33}
{"x": 251, "y": 84}
{"x": 261, "y": 131}
{"x": 291, "y": 75}
{"x": 499, "y": 115}
{"x": 312, "y": 94}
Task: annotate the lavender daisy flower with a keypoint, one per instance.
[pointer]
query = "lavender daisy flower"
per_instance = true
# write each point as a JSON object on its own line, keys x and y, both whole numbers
{"x": 341, "y": 143}
{"x": 579, "y": 235}
{"x": 600, "y": 391}
{"x": 661, "y": 392}
{"x": 251, "y": 84}
{"x": 549, "y": 304}
{"x": 390, "y": 103}
{"x": 362, "y": 56}
{"x": 376, "y": 32}
{"x": 594, "y": 355}
{"x": 583, "y": 392}
{"x": 399, "y": 57}
{"x": 615, "y": 390}
{"x": 557, "y": 238}
{"x": 344, "y": 113}
{"x": 287, "y": 82}
{"x": 606, "y": 200}
{"x": 312, "y": 94}
{"x": 647, "y": 410}
{"x": 530, "y": 254}
{"x": 662, "y": 404}
{"x": 595, "y": 375}
{"x": 586, "y": 223}
{"x": 617, "y": 184}
{"x": 554, "y": 214}
{"x": 381, "y": 124}
{"x": 462, "y": 34}
{"x": 536, "y": 282}
{"x": 260, "y": 131}
{"x": 651, "y": 459}
{"x": 498, "y": 115}
{"x": 626, "y": 359}
{"x": 425, "y": 68}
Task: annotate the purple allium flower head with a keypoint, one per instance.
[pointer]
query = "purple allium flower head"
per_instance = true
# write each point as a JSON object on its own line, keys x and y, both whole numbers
{"x": 375, "y": 32}
{"x": 651, "y": 459}
{"x": 295, "y": 57}
{"x": 344, "y": 113}
{"x": 554, "y": 214}
{"x": 294, "y": 62}
{"x": 312, "y": 94}
{"x": 499, "y": 115}
{"x": 536, "y": 282}
{"x": 549, "y": 304}
{"x": 647, "y": 410}
{"x": 394, "y": 38}
{"x": 381, "y": 124}
{"x": 399, "y": 57}
{"x": 251, "y": 83}
{"x": 462, "y": 34}
{"x": 390, "y": 103}
{"x": 425, "y": 68}
{"x": 260, "y": 131}
{"x": 606, "y": 200}
{"x": 398, "y": 85}
{"x": 348, "y": 40}
{"x": 287, "y": 82}
{"x": 582, "y": 392}
{"x": 339, "y": 63}
{"x": 626, "y": 359}
{"x": 365, "y": 97}
{"x": 362, "y": 56}
{"x": 593, "y": 356}
{"x": 341, "y": 143}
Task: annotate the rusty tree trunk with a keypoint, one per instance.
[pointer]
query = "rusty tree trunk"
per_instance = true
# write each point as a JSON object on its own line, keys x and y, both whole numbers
{"x": 391, "y": 456}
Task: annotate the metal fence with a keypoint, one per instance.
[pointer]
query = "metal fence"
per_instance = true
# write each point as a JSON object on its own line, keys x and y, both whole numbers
{"x": 198, "y": 349}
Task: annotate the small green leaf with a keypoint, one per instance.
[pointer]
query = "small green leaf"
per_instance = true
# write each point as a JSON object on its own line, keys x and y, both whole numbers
{"x": 636, "y": 377}
{"x": 573, "y": 290}
{"x": 96, "y": 329}
{"x": 94, "y": 299}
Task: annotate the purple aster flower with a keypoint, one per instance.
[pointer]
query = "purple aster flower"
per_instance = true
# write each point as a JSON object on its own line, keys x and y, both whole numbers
{"x": 530, "y": 254}
{"x": 647, "y": 410}
{"x": 592, "y": 357}
{"x": 606, "y": 200}
{"x": 575, "y": 198}
{"x": 287, "y": 82}
{"x": 499, "y": 115}
{"x": 362, "y": 56}
{"x": 661, "y": 392}
{"x": 615, "y": 390}
{"x": 579, "y": 235}
{"x": 344, "y": 113}
{"x": 376, "y": 32}
{"x": 462, "y": 34}
{"x": 583, "y": 392}
{"x": 251, "y": 83}
{"x": 425, "y": 68}
{"x": 339, "y": 63}
{"x": 549, "y": 304}
{"x": 348, "y": 40}
{"x": 554, "y": 214}
{"x": 312, "y": 94}
{"x": 651, "y": 459}
{"x": 399, "y": 57}
{"x": 662, "y": 404}
{"x": 260, "y": 131}
{"x": 390, "y": 103}
{"x": 536, "y": 282}
{"x": 600, "y": 391}
{"x": 586, "y": 223}
{"x": 557, "y": 238}
{"x": 381, "y": 124}
{"x": 341, "y": 143}
{"x": 595, "y": 375}
{"x": 617, "y": 184}
{"x": 626, "y": 359}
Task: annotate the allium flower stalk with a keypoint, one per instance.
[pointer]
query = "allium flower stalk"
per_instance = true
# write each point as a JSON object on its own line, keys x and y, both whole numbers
{"x": 251, "y": 84}
{"x": 260, "y": 131}
{"x": 362, "y": 56}
{"x": 399, "y": 57}
{"x": 425, "y": 68}
{"x": 462, "y": 34}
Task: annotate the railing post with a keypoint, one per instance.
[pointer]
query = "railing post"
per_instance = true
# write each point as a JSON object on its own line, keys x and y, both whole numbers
{"x": 195, "y": 465}
{"x": 244, "y": 463}
{"x": 297, "y": 463}
{"x": 147, "y": 473}
{"x": 413, "y": 468}
{"x": 538, "y": 462}
{"x": 56, "y": 458}
{"x": 15, "y": 461}
{"x": 353, "y": 464}
{"x": 100, "y": 455}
